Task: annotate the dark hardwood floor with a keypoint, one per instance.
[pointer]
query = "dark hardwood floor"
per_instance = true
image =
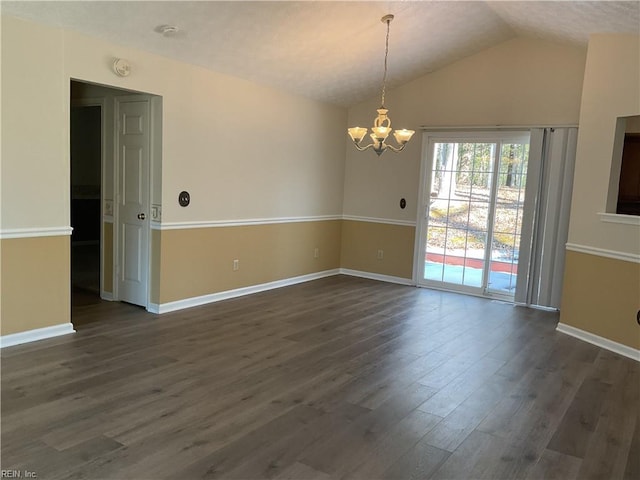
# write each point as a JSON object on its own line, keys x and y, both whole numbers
{"x": 336, "y": 378}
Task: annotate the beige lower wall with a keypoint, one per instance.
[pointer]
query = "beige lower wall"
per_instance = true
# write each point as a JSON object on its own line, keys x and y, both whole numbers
{"x": 362, "y": 240}
{"x": 199, "y": 261}
{"x": 155, "y": 267}
{"x": 602, "y": 296}
{"x": 107, "y": 254}
{"x": 36, "y": 282}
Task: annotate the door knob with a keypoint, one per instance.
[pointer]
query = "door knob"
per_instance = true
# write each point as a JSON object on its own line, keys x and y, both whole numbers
{"x": 141, "y": 216}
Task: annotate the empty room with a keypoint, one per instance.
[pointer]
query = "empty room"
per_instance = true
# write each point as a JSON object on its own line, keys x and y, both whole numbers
{"x": 320, "y": 240}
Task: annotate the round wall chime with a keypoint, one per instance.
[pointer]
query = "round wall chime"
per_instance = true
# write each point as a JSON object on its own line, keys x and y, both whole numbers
{"x": 121, "y": 67}
{"x": 184, "y": 198}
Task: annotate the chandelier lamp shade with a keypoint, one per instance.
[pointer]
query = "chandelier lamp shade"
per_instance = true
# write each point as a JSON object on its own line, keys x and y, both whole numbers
{"x": 382, "y": 123}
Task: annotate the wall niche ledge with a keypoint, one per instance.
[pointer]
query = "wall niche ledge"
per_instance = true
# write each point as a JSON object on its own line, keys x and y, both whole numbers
{"x": 619, "y": 218}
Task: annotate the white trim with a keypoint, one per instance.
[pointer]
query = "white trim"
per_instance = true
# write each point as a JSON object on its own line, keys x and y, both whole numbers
{"x": 470, "y": 291}
{"x": 35, "y": 232}
{"x": 601, "y": 252}
{"x": 537, "y": 307}
{"x": 269, "y": 221}
{"x": 240, "y": 223}
{"x": 238, "y": 292}
{"x": 377, "y": 276}
{"x": 619, "y": 218}
{"x": 36, "y": 334}
{"x": 599, "y": 341}
{"x": 156, "y": 308}
{"x": 108, "y": 296}
{"x": 387, "y": 221}
{"x": 424, "y": 196}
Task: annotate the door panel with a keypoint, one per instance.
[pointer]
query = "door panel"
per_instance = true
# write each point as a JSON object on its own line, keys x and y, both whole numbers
{"x": 507, "y": 222}
{"x": 132, "y": 270}
{"x": 458, "y": 215}
{"x": 133, "y": 169}
{"x": 133, "y": 200}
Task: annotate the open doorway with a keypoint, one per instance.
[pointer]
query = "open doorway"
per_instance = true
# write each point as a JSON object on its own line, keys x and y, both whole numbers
{"x": 86, "y": 185}
{"x": 115, "y": 159}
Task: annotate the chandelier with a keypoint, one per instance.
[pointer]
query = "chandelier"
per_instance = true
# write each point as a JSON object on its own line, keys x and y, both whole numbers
{"x": 382, "y": 123}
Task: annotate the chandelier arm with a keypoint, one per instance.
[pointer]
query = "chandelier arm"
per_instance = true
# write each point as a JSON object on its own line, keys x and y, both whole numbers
{"x": 384, "y": 147}
{"x": 395, "y": 149}
{"x": 362, "y": 149}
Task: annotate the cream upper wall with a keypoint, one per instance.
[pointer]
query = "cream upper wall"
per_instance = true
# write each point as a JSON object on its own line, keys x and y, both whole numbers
{"x": 242, "y": 150}
{"x": 227, "y": 141}
{"x": 519, "y": 82}
{"x": 632, "y": 124}
{"x": 611, "y": 89}
{"x": 34, "y": 127}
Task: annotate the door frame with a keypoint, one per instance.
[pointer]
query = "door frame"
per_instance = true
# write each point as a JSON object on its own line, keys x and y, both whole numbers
{"x": 102, "y": 103}
{"x": 116, "y": 185}
{"x": 481, "y": 135}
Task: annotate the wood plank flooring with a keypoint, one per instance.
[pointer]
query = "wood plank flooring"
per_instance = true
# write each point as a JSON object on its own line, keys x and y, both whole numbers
{"x": 339, "y": 378}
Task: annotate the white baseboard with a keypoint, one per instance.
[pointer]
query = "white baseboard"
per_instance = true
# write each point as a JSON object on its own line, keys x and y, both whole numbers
{"x": 599, "y": 341}
{"x": 153, "y": 308}
{"x": 108, "y": 296}
{"x": 536, "y": 307}
{"x": 377, "y": 276}
{"x": 239, "y": 292}
{"x": 36, "y": 334}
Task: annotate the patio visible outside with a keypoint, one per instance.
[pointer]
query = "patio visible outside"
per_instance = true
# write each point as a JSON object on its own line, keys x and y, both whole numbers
{"x": 465, "y": 214}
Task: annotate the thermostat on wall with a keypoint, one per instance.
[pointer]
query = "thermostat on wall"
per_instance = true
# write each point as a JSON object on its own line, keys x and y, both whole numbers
{"x": 121, "y": 67}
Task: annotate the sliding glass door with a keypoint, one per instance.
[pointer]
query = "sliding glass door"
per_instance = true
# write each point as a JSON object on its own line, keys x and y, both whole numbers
{"x": 473, "y": 212}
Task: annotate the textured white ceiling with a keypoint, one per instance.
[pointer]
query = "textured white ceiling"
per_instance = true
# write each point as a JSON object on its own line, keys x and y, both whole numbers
{"x": 330, "y": 51}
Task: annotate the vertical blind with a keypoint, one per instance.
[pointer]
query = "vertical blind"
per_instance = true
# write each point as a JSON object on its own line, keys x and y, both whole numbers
{"x": 550, "y": 180}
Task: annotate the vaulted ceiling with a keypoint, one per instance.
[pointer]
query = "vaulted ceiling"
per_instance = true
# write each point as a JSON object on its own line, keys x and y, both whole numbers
{"x": 329, "y": 51}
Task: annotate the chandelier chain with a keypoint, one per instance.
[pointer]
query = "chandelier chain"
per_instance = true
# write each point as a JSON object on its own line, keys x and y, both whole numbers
{"x": 386, "y": 54}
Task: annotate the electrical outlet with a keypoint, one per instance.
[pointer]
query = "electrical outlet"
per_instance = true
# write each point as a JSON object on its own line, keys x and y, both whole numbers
{"x": 316, "y": 252}
{"x": 380, "y": 254}
{"x": 236, "y": 265}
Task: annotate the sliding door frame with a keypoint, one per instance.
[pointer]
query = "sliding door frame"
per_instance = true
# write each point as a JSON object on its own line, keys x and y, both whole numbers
{"x": 488, "y": 135}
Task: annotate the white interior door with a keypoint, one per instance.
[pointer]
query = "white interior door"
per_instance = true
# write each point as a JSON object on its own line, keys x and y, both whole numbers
{"x": 133, "y": 150}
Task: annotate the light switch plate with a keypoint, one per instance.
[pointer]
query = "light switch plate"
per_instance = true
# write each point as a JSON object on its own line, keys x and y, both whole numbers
{"x": 156, "y": 213}
{"x": 108, "y": 208}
